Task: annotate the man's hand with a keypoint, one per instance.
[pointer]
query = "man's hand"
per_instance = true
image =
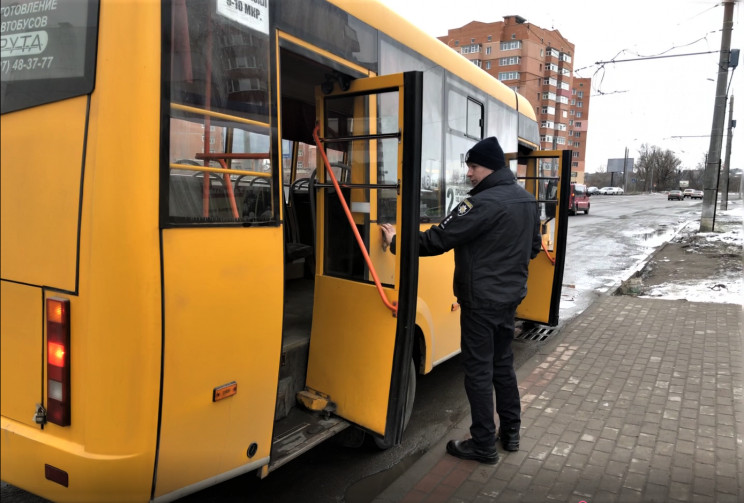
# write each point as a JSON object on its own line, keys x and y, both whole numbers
{"x": 388, "y": 232}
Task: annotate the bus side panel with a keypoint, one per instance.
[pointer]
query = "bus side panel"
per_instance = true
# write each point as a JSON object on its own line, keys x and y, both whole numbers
{"x": 223, "y": 320}
{"x": 435, "y": 291}
{"x": 37, "y": 183}
{"x": 21, "y": 351}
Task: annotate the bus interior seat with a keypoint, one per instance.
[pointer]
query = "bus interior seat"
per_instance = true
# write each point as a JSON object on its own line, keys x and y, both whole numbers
{"x": 295, "y": 248}
{"x": 186, "y": 197}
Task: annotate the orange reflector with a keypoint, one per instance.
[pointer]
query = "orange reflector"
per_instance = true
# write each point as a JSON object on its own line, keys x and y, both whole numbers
{"x": 55, "y": 310}
{"x": 56, "y": 354}
{"x": 224, "y": 391}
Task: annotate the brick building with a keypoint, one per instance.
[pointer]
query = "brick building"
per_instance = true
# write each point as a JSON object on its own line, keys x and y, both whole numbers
{"x": 538, "y": 64}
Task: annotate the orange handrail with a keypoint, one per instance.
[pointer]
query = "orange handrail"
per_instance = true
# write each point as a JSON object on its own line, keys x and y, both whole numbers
{"x": 547, "y": 254}
{"x": 390, "y": 305}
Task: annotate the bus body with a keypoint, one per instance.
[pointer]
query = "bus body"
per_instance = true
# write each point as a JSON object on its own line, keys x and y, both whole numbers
{"x": 183, "y": 298}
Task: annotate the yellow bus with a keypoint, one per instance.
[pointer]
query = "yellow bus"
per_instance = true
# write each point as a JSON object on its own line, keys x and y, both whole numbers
{"x": 184, "y": 298}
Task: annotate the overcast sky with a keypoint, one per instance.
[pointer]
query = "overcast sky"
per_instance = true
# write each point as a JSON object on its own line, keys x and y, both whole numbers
{"x": 649, "y": 101}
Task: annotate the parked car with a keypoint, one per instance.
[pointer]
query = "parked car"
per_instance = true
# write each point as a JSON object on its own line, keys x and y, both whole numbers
{"x": 592, "y": 190}
{"x": 675, "y": 195}
{"x": 696, "y": 194}
{"x": 611, "y": 190}
{"x": 578, "y": 199}
{"x": 688, "y": 192}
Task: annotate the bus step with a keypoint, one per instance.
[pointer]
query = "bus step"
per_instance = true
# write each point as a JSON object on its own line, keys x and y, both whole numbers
{"x": 298, "y": 433}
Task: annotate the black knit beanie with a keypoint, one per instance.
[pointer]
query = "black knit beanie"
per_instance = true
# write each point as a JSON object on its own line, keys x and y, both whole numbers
{"x": 487, "y": 153}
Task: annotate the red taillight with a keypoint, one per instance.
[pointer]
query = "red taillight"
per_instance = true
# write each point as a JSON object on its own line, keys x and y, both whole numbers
{"x": 58, "y": 360}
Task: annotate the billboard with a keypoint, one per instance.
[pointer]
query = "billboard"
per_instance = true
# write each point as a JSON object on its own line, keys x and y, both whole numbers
{"x": 616, "y": 165}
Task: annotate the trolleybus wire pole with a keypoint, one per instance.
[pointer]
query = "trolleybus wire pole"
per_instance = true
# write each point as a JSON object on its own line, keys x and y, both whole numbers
{"x": 392, "y": 306}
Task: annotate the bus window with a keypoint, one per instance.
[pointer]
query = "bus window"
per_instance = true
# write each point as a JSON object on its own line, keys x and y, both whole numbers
{"x": 220, "y": 168}
{"x": 396, "y": 58}
{"x": 474, "y": 119}
{"x": 49, "y": 54}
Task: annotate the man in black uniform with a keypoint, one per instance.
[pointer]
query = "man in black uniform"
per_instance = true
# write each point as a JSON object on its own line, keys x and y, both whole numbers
{"x": 495, "y": 234}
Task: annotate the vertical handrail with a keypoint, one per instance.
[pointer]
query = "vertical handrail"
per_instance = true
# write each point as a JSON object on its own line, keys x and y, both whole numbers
{"x": 393, "y": 306}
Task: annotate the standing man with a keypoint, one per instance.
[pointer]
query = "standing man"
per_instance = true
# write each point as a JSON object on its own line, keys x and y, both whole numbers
{"x": 495, "y": 234}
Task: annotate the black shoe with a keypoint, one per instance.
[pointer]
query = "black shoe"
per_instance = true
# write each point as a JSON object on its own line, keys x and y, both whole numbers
{"x": 509, "y": 438}
{"x": 466, "y": 449}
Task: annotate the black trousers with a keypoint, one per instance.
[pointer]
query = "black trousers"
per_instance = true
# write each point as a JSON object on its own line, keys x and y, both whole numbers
{"x": 488, "y": 360}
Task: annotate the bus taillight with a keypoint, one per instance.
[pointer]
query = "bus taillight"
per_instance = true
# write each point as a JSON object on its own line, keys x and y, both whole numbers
{"x": 58, "y": 360}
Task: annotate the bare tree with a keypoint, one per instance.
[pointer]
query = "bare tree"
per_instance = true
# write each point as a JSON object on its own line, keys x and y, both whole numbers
{"x": 659, "y": 168}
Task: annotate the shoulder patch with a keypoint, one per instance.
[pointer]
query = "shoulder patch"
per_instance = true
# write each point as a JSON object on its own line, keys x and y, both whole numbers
{"x": 465, "y": 206}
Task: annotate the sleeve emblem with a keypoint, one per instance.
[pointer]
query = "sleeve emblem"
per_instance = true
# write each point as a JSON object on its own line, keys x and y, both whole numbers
{"x": 465, "y": 206}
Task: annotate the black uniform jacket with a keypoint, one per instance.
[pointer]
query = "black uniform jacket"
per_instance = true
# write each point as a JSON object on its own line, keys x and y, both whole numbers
{"x": 495, "y": 234}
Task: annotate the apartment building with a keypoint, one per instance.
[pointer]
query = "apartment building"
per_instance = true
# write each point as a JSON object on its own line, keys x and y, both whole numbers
{"x": 538, "y": 64}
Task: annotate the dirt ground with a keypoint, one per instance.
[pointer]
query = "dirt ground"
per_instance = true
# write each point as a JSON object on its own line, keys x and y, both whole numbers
{"x": 711, "y": 259}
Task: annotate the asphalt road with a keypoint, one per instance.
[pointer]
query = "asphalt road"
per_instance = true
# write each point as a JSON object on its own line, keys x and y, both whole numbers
{"x": 604, "y": 247}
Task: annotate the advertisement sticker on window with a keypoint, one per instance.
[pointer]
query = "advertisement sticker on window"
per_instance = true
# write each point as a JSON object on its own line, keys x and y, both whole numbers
{"x": 253, "y": 14}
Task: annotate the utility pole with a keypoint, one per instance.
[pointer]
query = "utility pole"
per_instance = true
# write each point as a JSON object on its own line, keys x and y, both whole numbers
{"x": 725, "y": 184}
{"x": 712, "y": 167}
{"x": 625, "y": 171}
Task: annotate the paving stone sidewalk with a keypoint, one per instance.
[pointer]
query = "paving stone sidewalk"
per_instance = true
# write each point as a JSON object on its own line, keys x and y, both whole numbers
{"x": 639, "y": 400}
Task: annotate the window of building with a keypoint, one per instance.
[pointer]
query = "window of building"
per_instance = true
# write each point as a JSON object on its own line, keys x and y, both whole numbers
{"x": 513, "y": 44}
{"x": 560, "y": 140}
{"x": 578, "y": 124}
{"x": 579, "y": 114}
{"x": 580, "y": 94}
{"x": 580, "y": 104}
{"x": 548, "y": 110}
{"x": 513, "y": 60}
{"x": 576, "y": 154}
{"x": 490, "y": 38}
{"x": 574, "y": 164}
{"x": 573, "y": 102}
{"x": 477, "y": 62}
{"x": 570, "y": 133}
{"x": 577, "y": 144}
{"x": 508, "y": 76}
{"x": 577, "y": 134}
{"x": 514, "y": 35}
{"x": 488, "y": 50}
{"x": 472, "y": 40}
{"x": 457, "y": 43}
{"x": 468, "y": 49}
{"x": 488, "y": 65}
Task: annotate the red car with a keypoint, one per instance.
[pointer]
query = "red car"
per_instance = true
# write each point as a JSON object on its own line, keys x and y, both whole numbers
{"x": 578, "y": 199}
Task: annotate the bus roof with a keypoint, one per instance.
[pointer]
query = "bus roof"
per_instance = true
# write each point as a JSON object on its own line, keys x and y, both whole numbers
{"x": 389, "y": 22}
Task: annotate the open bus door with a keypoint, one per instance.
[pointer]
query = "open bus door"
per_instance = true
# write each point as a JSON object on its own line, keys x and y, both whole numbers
{"x": 547, "y": 175}
{"x": 362, "y": 329}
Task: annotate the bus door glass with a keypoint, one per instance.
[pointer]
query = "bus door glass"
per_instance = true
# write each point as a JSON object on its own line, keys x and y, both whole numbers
{"x": 546, "y": 175}
{"x": 360, "y": 345}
